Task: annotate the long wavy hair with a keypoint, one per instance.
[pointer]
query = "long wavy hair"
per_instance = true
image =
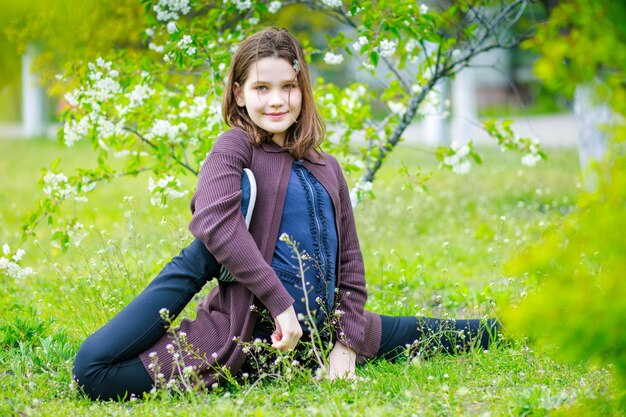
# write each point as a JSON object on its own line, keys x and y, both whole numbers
{"x": 307, "y": 133}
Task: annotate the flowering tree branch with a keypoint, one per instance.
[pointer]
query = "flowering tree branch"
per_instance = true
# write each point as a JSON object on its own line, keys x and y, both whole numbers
{"x": 160, "y": 111}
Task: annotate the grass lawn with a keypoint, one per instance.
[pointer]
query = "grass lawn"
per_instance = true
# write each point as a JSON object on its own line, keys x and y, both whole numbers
{"x": 438, "y": 253}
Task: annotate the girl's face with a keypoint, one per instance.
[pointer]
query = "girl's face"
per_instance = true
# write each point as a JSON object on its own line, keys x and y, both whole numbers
{"x": 271, "y": 95}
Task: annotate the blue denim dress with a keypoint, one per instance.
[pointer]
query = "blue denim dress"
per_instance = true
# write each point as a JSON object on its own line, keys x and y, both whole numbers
{"x": 309, "y": 221}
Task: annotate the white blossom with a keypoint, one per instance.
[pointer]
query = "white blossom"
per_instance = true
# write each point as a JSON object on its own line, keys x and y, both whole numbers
{"x": 332, "y": 3}
{"x": 76, "y": 233}
{"x": 242, "y": 5}
{"x": 10, "y": 266}
{"x": 460, "y": 149}
{"x": 397, "y": 107}
{"x": 196, "y": 109}
{"x": 387, "y": 47}
{"x": 156, "y": 48}
{"x": 275, "y": 6}
{"x": 186, "y": 40}
{"x": 171, "y": 9}
{"x": 171, "y": 27}
{"x": 457, "y": 158}
{"x": 410, "y": 45}
{"x": 57, "y": 186}
{"x": 530, "y": 159}
{"x": 462, "y": 168}
{"x": 357, "y": 191}
{"x": 71, "y": 98}
{"x": 165, "y": 129}
{"x": 333, "y": 59}
{"x": 451, "y": 160}
{"x": 423, "y": 8}
{"x": 139, "y": 95}
{"x": 165, "y": 188}
{"x": 359, "y": 43}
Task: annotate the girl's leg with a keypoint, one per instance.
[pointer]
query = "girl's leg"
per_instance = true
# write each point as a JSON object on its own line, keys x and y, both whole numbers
{"x": 433, "y": 335}
{"x": 107, "y": 364}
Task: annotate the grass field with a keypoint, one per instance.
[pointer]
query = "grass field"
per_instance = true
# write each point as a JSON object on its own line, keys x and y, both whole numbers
{"x": 437, "y": 253}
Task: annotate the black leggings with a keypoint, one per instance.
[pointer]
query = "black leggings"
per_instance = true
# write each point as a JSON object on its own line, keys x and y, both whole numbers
{"x": 107, "y": 365}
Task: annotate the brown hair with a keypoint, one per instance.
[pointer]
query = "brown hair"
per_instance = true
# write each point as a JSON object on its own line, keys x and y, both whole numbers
{"x": 308, "y": 131}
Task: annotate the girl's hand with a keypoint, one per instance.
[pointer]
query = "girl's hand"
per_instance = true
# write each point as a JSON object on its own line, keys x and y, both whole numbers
{"x": 288, "y": 331}
{"x": 341, "y": 362}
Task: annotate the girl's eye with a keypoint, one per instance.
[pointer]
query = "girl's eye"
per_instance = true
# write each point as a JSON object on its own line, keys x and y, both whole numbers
{"x": 261, "y": 88}
{"x": 289, "y": 86}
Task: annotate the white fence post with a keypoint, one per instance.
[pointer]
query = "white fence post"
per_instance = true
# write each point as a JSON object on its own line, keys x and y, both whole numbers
{"x": 33, "y": 98}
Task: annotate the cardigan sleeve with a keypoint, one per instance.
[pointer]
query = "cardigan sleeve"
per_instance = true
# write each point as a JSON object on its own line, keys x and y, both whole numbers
{"x": 218, "y": 223}
{"x": 352, "y": 294}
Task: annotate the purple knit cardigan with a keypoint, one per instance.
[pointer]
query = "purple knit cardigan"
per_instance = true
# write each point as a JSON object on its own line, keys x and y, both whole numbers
{"x": 225, "y": 315}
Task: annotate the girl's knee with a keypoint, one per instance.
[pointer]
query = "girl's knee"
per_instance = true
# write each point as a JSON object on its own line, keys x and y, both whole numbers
{"x": 84, "y": 364}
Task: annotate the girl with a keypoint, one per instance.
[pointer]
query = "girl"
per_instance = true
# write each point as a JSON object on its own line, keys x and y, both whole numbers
{"x": 276, "y": 133}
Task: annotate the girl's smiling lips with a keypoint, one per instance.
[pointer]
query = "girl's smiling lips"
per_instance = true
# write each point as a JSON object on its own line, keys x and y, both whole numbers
{"x": 275, "y": 115}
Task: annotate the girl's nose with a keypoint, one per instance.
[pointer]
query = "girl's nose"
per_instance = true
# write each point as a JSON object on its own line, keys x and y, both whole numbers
{"x": 276, "y": 99}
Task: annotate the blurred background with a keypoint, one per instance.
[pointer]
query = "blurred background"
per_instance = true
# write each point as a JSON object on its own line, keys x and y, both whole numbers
{"x": 41, "y": 38}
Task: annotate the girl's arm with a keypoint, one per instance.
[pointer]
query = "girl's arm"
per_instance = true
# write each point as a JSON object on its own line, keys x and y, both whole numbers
{"x": 350, "y": 309}
{"x": 218, "y": 223}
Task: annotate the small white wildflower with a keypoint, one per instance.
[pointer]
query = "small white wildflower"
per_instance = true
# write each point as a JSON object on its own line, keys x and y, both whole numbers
{"x": 333, "y": 59}
{"x": 171, "y": 27}
{"x": 423, "y": 9}
{"x": 6, "y": 249}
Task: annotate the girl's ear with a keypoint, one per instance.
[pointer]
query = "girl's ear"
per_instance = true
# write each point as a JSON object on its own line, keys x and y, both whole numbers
{"x": 239, "y": 95}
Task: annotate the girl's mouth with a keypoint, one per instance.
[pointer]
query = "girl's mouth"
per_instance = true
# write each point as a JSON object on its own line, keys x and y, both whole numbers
{"x": 275, "y": 116}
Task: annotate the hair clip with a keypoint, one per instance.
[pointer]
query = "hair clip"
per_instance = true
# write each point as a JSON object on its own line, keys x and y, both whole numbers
{"x": 296, "y": 65}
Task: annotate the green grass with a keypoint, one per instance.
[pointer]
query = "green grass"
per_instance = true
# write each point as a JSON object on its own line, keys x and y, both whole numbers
{"x": 438, "y": 253}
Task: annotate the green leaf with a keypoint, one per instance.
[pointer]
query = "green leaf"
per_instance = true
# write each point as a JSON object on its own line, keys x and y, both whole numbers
{"x": 374, "y": 58}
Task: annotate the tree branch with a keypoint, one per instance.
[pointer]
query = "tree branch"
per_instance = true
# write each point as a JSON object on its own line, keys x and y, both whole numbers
{"x": 153, "y": 146}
